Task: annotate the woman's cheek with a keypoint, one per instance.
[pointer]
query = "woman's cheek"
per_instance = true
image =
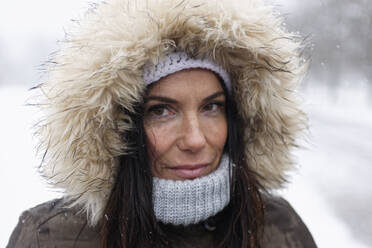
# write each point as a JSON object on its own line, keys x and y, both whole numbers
{"x": 160, "y": 135}
{"x": 215, "y": 129}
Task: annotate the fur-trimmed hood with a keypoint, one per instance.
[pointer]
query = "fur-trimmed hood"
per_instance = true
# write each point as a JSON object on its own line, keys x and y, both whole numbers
{"x": 98, "y": 72}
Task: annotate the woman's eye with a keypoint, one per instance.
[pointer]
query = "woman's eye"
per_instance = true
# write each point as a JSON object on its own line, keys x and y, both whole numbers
{"x": 159, "y": 111}
{"x": 214, "y": 107}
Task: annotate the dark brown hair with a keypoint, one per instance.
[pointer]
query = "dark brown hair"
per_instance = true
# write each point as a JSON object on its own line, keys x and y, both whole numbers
{"x": 129, "y": 220}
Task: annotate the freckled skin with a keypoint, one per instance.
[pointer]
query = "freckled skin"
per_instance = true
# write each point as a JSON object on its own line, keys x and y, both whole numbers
{"x": 185, "y": 124}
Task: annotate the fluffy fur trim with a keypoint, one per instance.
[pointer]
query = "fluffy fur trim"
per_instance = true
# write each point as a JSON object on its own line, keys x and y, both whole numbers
{"x": 98, "y": 72}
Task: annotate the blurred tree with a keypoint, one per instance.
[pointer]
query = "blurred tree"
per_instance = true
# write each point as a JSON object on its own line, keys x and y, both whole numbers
{"x": 341, "y": 31}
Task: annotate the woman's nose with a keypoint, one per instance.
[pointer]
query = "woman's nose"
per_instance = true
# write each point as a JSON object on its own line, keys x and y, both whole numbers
{"x": 192, "y": 136}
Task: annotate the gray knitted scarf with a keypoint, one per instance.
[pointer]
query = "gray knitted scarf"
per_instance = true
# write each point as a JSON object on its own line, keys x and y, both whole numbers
{"x": 192, "y": 201}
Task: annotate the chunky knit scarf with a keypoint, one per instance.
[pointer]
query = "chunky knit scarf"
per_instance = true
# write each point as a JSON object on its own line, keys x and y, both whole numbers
{"x": 192, "y": 201}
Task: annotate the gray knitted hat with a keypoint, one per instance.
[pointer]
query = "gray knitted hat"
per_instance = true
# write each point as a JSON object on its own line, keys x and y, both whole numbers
{"x": 178, "y": 61}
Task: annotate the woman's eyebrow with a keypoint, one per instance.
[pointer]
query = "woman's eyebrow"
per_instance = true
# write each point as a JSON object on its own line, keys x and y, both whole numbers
{"x": 160, "y": 98}
{"x": 171, "y": 100}
{"x": 214, "y": 95}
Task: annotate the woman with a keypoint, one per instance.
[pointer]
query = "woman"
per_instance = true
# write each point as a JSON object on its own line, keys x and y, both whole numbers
{"x": 168, "y": 124}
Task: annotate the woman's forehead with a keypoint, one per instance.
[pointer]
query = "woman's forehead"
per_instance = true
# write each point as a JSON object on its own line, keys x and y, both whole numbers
{"x": 185, "y": 82}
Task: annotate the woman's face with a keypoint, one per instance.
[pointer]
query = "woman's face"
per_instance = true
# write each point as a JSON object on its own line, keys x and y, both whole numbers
{"x": 185, "y": 124}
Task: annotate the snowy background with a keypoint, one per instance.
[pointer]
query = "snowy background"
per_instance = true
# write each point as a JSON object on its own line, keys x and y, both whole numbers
{"x": 332, "y": 190}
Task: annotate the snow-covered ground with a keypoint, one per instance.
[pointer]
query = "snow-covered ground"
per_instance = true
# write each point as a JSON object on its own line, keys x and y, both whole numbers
{"x": 20, "y": 186}
{"x": 331, "y": 191}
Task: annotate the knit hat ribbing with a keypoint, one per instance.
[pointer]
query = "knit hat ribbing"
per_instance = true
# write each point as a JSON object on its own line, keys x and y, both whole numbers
{"x": 178, "y": 61}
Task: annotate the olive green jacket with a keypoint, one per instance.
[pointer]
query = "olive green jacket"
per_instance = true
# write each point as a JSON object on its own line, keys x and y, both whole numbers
{"x": 52, "y": 225}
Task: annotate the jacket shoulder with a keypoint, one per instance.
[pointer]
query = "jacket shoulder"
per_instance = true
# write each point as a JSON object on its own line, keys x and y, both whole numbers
{"x": 53, "y": 224}
{"x": 283, "y": 226}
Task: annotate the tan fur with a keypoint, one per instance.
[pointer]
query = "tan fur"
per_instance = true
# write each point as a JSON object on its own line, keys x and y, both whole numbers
{"x": 99, "y": 69}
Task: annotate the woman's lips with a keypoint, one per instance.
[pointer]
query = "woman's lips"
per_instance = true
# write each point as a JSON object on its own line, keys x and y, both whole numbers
{"x": 189, "y": 171}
